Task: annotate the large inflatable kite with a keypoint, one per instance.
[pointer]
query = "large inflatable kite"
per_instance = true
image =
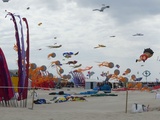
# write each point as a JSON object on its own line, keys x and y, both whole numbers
{"x": 147, "y": 53}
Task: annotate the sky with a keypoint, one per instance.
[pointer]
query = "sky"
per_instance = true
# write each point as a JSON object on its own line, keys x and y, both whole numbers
{"x": 79, "y": 29}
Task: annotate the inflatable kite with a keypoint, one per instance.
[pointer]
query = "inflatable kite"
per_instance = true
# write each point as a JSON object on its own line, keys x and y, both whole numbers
{"x": 127, "y": 71}
{"x": 71, "y": 62}
{"x": 54, "y": 46}
{"x": 84, "y": 69}
{"x": 5, "y": 0}
{"x": 90, "y": 73}
{"x": 39, "y": 24}
{"x": 57, "y": 62}
{"x": 106, "y": 64}
{"x": 76, "y": 66}
{"x": 147, "y": 53}
{"x": 51, "y": 55}
{"x": 99, "y": 46}
{"x": 76, "y": 53}
{"x": 69, "y": 54}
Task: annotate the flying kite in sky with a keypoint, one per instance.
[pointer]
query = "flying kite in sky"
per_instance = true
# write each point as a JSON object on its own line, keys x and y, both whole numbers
{"x": 138, "y": 34}
{"x": 106, "y": 64}
{"x": 71, "y": 62}
{"x": 76, "y": 53}
{"x": 117, "y": 66}
{"x": 84, "y": 69}
{"x": 28, "y": 8}
{"x": 40, "y": 49}
{"x": 147, "y": 53}
{"x": 39, "y": 24}
{"x": 76, "y": 66}
{"x": 51, "y": 55}
{"x": 102, "y": 8}
{"x": 57, "y": 63}
{"x": 90, "y": 73}
{"x": 54, "y": 46}
{"x": 5, "y": 0}
{"x": 112, "y": 36}
{"x": 127, "y": 71}
{"x": 69, "y": 54}
{"x": 99, "y": 46}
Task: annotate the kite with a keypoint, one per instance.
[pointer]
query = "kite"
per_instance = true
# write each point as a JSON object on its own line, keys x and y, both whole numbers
{"x": 99, "y": 45}
{"x": 71, "y": 62}
{"x": 5, "y": 0}
{"x": 82, "y": 70}
{"x": 133, "y": 77}
{"x": 138, "y": 34}
{"x": 76, "y": 66}
{"x": 147, "y": 53}
{"x": 102, "y": 8}
{"x": 78, "y": 78}
{"x": 39, "y": 24}
{"x": 106, "y": 64}
{"x": 55, "y": 46}
{"x": 40, "y": 49}
{"x": 117, "y": 66}
{"x": 90, "y": 73}
{"x": 68, "y": 54}
{"x": 28, "y": 8}
{"x": 115, "y": 75}
{"x": 104, "y": 74}
{"x": 76, "y": 53}
{"x": 127, "y": 71}
{"x": 51, "y": 55}
{"x": 58, "y": 63}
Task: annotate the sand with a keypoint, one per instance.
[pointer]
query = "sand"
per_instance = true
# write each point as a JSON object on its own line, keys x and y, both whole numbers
{"x": 94, "y": 108}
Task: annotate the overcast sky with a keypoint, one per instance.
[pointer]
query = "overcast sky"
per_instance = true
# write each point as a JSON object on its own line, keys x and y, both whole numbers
{"x": 79, "y": 28}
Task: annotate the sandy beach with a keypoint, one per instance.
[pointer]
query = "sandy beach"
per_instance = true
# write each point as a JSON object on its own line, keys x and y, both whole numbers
{"x": 94, "y": 108}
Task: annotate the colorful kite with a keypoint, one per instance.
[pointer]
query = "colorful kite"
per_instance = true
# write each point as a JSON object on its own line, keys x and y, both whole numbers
{"x": 106, "y": 64}
{"x": 51, "y": 55}
{"x": 68, "y": 54}
{"x": 147, "y": 53}
{"x": 90, "y": 73}
{"x": 127, "y": 71}
{"x": 84, "y": 69}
